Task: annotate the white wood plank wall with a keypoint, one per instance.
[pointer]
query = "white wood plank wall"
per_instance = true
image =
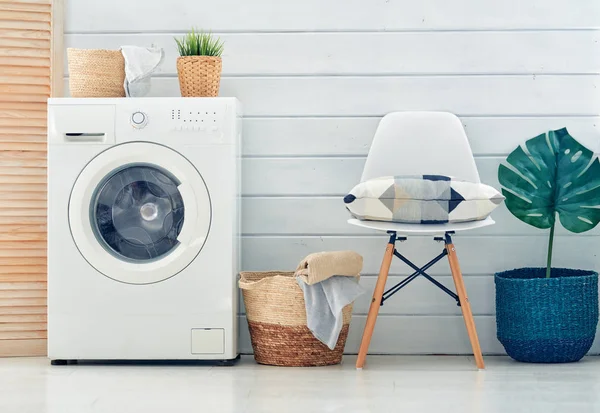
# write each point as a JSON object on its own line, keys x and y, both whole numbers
{"x": 315, "y": 78}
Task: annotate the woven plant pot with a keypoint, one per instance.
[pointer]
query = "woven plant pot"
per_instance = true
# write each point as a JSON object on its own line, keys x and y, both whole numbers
{"x": 199, "y": 75}
{"x": 95, "y": 73}
{"x": 546, "y": 320}
{"x": 277, "y": 321}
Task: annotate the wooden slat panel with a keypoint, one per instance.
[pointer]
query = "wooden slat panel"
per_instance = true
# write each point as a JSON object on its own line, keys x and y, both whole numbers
{"x": 23, "y": 277}
{"x": 22, "y": 302}
{"x": 24, "y": 80}
{"x": 20, "y": 259}
{"x": 15, "y": 145}
{"x": 23, "y": 286}
{"x": 26, "y": 163}
{"x": 21, "y": 6}
{"x": 23, "y": 98}
{"x": 22, "y": 269}
{"x": 34, "y": 245}
{"x": 15, "y": 33}
{"x": 17, "y": 61}
{"x": 25, "y": 43}
{"x": 25, "y": 130}
{"x": 23, "y": 195}
{"x": 22, "y": 255}
{"x": 22, "y": 154}
{"x": 24, "y": 74}
{"x": 24, "y": 139}
{"x": 22, "y": 114}
{"x": 20, "y": 90}
{"x": 24, "y": 318}
{"x": 24, "y": 212}
{"x": 22, "y": 236}
{"x": 23, "y": 187}
{"x": 22, "y": 327}
{"x": 32, "y": 179}
{"x": 22, "y": 293}
{"x": 29, "y": 207}
{"x": 27, "y": 25}
{"x": 34, "y": 1}
{"x": 29, "y": 175}
{"x": 33, "y": 278}
{"x": 22, "y": 171}
{"x": 12, "y": 311}
{"x": 19, "y": 348}
{"x": 24, "y": 52}
{"x": 30, "y": 127}
{"x": 28, "y": 106}
{"x": 25, "y": 16}
{"x": 23, "y": 233}
{"x": 24, "y": 159}
{"x": 18, "y": 335}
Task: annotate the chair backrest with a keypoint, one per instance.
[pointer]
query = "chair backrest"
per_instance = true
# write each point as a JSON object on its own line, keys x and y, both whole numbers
{"x": 421, "y": 143}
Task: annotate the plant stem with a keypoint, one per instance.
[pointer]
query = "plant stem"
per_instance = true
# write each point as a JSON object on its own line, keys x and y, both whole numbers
{"x": 550, "y": 245}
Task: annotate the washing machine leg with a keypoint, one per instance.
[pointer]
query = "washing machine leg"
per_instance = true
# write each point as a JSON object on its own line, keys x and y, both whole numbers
{"x": 61, "y": 362}
{"x": 58, "y": 362}
{"x": 228, "y": 363}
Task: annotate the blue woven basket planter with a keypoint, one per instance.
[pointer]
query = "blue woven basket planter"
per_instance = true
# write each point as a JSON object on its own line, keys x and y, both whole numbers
{"x": 542, "y": 320}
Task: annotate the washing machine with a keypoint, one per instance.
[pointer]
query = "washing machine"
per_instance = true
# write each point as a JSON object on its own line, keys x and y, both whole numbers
{"x": 143, "y": 228}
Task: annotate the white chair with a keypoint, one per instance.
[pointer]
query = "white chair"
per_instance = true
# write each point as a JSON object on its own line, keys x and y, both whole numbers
{"x": 420, "y": 143}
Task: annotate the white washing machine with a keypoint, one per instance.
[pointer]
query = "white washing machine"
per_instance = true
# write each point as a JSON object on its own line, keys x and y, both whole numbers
{"x": 143, "y": 228}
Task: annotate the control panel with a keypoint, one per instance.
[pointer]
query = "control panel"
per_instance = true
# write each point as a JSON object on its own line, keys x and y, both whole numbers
{"x": 111, "y": 121}
{"x": 197, "y": 120}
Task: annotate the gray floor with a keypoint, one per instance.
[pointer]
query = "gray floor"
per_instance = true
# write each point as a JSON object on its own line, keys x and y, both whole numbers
{"x": 387, "y": 384}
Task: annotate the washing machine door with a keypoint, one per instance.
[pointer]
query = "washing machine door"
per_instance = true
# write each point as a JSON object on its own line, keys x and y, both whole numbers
{"x": 139, "y": 212}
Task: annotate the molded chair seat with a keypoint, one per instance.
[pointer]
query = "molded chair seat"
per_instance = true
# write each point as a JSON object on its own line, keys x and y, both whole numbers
{"x": 421, "y": 229}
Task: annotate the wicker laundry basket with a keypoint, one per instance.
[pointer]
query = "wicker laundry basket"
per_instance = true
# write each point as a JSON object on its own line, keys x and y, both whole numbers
{"x": 277, "y": 321}
{"x": 96, "y": 73}
{"x": 199, "y": 75}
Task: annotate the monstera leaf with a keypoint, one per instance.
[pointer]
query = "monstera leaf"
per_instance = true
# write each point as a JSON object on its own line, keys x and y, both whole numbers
{"x": 554, "y": 175}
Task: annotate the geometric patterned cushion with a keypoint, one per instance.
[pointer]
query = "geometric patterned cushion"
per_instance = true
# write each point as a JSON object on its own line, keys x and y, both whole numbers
{"x": 426, "y": 199}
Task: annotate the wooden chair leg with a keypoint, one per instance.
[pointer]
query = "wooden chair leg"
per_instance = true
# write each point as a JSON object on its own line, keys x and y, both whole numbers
{"x": 375, "y": 304}
{"x": 465, "y": 305}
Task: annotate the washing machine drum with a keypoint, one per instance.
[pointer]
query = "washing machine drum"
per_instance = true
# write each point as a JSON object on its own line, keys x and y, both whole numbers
{"x": 139, "y": 213}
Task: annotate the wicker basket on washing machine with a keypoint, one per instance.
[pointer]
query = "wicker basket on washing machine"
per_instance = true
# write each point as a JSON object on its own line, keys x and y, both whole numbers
{"x": 96, "y": 73}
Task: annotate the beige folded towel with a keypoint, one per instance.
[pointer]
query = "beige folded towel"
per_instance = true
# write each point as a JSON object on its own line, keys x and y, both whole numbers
{"x": 322, "y": 265}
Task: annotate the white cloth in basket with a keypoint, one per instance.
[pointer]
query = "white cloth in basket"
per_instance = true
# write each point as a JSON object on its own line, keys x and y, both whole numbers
{"x": 324, "y": 304}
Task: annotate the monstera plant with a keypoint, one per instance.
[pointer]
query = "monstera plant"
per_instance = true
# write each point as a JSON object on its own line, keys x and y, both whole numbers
{"x": 550, "y": 314}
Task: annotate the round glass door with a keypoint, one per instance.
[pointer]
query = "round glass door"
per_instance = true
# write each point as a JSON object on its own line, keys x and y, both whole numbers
{"x": 138, "y": 213}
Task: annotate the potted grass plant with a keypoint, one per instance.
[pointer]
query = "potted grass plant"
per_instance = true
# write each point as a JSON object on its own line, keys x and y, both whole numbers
{"x": 549, "y": 315}
{"x": 199, "y": 64}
